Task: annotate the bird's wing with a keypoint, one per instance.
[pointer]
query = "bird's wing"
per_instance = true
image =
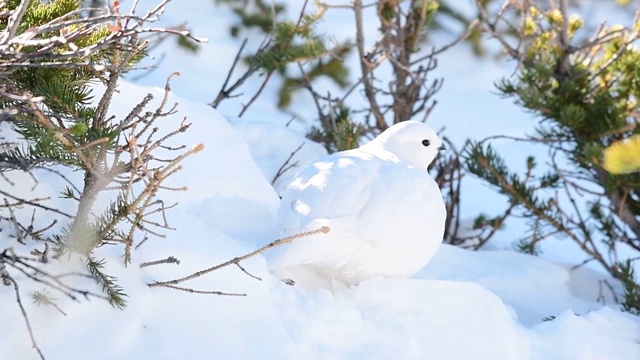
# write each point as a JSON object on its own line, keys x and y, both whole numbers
{"x": 328, "y": 193}
{"x": 331, "y": 190}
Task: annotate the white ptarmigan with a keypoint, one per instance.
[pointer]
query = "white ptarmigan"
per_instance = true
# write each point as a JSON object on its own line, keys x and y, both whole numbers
{"x": 385, "y": 211}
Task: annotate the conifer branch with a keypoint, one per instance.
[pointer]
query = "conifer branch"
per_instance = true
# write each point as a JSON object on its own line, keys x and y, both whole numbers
{"x": 579, "y": 90}
{"x": 114, "y": 292}
{"x": 47, "y": 63}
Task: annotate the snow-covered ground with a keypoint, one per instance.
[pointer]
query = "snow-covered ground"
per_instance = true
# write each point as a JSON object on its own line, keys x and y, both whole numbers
{"x": 462, "y": 305}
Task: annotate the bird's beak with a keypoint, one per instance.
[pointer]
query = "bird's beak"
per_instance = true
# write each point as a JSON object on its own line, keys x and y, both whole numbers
{"x": 442, "y": 148}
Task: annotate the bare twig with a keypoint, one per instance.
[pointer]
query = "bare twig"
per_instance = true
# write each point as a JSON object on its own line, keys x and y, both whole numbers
{"x": 236, "y": 260}
{"x": 255, "y": 96}
{"x": 169, "y": 260}
{"x": 225, "y": 92}
{"x": 204, "y": 292}
{"x": 248, "y": 274}
{"x": 465, "y": 35}
{"x": 41, "y": 298}
{"x": 34, "y": 202}
{"x": 366, "y": 77}
{"x": 287, "y": 165}
{"x": 34, "y": 344}
{"x": 14, "y": 22}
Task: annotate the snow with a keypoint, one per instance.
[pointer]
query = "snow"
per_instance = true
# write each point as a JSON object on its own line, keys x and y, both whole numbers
{"x": 602, "y": 334}
{"x": 546, "y": 292}
{"x": 224, "y": 186}
{"x": 462, "y": 305}
{"x": 406, "y": 319}
{"x": 279, "y": 160}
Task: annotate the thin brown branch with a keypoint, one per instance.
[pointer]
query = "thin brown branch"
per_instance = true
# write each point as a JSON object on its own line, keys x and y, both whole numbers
{"x": 236, "y": 260}
{"x": 465, "y": 35}
{"x": 246, "y": 106}
{"x": 14, "y": 22}
{"x": 34, "y": 202}
{"x": 169, "y": 260}
{"x": 491, "y": 28}
{"x": 34, "y": 344}
{"x": 204, "y": 292}
{"x": 366, "y": 76}
{"x": 225, "y": 92}
{"x": 287, "y": 165}
{"x": 248, "y": 274}
{"x": 325, "y": 120}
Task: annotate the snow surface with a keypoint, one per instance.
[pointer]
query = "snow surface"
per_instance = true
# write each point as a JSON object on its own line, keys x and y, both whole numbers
{"x": 278, "y": 160}
{"x": 462, "y": 305}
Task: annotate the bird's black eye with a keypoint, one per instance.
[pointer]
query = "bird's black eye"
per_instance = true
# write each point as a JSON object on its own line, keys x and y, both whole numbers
{"x": 426, "y": 142}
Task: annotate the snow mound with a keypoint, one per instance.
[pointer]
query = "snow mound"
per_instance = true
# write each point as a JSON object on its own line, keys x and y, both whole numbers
{"x": 225, "y": 185}
{"x": 279, "y": 151}
{"x": 463, "y": 305}
{"x": 392, "y": 318}
{"x": 547, "y": 291}
{"x": 602, "y": 334}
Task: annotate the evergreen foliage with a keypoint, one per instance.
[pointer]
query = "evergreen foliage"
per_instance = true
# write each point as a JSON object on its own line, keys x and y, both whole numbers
{"x": 584, "y": 91}
{"x": 109, "y": 286}
{"x": 631, "y": 299}
{"x": 295, "y": 52}
{"x": 297, "y": 42}
{"x": 585, "y": 94}
{"x": 343, "y": 134}
{"x": 290, "y": 43}
{"x": 51, "y": 56}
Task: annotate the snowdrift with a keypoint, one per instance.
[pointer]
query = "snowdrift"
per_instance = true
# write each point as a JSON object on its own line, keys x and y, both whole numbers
{"x": 463, "y": 305}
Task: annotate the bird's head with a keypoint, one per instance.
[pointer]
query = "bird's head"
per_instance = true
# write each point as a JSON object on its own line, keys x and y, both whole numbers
{"x": 413, "y": 142}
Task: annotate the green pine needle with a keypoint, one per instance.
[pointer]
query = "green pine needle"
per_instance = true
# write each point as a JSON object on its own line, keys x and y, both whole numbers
{"x": 109, "y": 286}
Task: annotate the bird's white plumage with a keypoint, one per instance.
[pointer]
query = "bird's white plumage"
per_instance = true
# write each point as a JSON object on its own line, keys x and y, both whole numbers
{"x": 385, "y": 211}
